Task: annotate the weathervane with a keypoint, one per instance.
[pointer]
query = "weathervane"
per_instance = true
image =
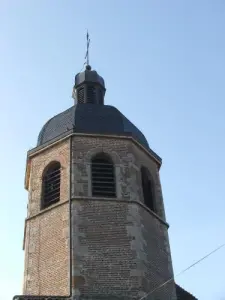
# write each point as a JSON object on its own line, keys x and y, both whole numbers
{"x": 87, "y": 52}
{"x": 85, "y": 63}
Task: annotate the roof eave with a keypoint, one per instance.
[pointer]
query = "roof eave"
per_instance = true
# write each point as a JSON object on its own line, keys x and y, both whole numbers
{"x": 66, "y": 135}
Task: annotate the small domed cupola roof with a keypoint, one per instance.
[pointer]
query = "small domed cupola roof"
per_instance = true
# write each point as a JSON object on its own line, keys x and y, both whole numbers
{"x": 89, "y": 75}
{"x": 89, "y": 87}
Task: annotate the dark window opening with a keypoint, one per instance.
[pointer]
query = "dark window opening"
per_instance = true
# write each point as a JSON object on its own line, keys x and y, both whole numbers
{"x": 91, "y": 94}
{"x": 103, "y": 177}
{"x": 147, "y": 188}
{"x": 51, "y": 185}
{"x": 80, "y": 95}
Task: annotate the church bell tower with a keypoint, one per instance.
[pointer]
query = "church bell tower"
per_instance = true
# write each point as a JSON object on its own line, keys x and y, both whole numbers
{"x": 95, "y": 226}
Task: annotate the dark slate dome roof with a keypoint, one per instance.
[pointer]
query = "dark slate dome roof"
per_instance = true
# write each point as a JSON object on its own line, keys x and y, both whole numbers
{"x": 89, "y": 75}
{"x": 89, "y": 118}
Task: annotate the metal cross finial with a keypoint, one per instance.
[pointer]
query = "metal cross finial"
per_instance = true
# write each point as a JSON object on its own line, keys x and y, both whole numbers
{"x": 87, "y": 52}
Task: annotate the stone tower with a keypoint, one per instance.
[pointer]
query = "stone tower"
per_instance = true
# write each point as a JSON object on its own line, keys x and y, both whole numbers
{"x": 95, "y": 225}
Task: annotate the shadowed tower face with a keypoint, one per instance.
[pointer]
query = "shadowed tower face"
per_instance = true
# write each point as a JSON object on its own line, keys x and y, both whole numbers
{"x": 95, "y": 224}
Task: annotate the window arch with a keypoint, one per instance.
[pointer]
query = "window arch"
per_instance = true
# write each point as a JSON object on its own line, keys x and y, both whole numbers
{"x": 148, "y": 189}
{"x": 103, "y": 176}
{"x": 51, "y": 184}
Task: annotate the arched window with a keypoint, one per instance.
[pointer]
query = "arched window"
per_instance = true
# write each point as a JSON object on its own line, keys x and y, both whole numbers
{"x": 103, "y": 176}
{"x": 51, "y": 185}
{"x": 148, "y": 189}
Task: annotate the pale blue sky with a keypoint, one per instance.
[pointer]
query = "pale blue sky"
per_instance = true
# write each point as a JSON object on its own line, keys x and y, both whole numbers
{"x": 164, "y": 66}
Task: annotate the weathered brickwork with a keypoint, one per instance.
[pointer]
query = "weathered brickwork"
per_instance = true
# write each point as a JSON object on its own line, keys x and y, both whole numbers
{"x": 47, "y": 253}
{"x": 103, "y": 252}
{"x": 47, "y": 232}
{"x": 128, "y": 159}
{"x": 142, "y": 159}
{"x": 59, "y": 152}
{"x": 157, "y": 263}
{"x": 121, "y": 248}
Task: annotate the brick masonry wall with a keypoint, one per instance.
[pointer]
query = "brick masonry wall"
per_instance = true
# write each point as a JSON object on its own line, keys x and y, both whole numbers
{"x": 59, "y": 152}
{"x": 156, "y": 261}
{"x": 47, "y": 232}
{"x": 161, "y": 234}
{"x": 120, "y": 248}
{"x": 142, "y": 159}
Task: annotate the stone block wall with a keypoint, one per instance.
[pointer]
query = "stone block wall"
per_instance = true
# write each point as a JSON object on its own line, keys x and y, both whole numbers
{"x": 156, "y": 257}
{"x": 121, "y": 249}
{"x": 128, "y": 159}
